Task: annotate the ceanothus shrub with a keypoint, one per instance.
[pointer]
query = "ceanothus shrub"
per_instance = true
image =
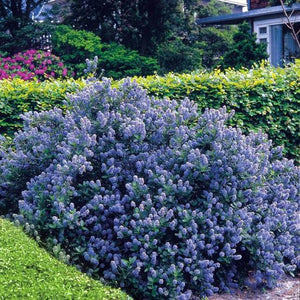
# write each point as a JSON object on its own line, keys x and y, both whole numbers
{"x": 147, "y": 194}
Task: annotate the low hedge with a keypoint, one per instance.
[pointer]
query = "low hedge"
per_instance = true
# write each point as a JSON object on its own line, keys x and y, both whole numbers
{"x": 265, "y": 97}
{"x": 29, "y": 272}
{"x": 18, "y": 96}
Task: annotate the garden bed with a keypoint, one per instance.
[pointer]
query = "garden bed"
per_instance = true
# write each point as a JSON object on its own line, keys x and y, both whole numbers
{"x": 287, "y": 289}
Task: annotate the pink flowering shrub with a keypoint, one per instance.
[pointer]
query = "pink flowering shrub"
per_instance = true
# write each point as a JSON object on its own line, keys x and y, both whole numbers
{"x": 32, "y": 64}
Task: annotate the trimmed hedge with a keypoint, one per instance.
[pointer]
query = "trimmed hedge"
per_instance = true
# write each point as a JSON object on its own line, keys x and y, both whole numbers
{"x": 29, "y": 272}
{"x": 264, "y": 98}
{"x": 18, "y": 96}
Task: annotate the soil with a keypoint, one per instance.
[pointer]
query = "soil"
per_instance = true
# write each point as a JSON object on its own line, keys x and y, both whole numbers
{"x": 287, "y": 289}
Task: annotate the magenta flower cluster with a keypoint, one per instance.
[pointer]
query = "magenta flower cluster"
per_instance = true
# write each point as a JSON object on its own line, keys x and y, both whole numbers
{"x": 32, "y": 64}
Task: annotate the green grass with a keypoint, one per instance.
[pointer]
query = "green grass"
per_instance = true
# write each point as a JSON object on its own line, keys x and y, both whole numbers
{"x": 29, "y": 272}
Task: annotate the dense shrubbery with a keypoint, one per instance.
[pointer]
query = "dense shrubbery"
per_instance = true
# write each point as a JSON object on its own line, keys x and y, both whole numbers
{"x": 18, "y": 96}
{"x": 74, "y": 46}
{"x": 147, "y": 193}
{"x": 175, "y": 56}
{"x": 33, "y": 64}
{"x": 244, "y": 51}
{"x": 264, "y": 98}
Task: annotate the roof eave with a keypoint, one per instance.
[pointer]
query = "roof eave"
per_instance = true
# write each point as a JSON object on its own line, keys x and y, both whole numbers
{"x": 248, "y": 15}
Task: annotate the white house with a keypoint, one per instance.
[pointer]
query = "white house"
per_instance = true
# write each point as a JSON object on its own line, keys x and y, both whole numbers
{"x": 269, "y": 24}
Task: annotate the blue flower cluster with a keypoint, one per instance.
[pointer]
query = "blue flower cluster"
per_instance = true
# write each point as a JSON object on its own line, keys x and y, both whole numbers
{"x": 148, "y": 194}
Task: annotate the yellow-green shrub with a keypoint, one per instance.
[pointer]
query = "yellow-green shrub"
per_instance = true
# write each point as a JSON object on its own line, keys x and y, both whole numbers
{"x": 264, "y": 97}
{"x": 18, "y": 96}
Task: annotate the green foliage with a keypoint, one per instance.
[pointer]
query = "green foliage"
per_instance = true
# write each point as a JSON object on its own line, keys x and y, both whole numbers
{"x": 286, "y": 2}
{"x": 118, "y": 62}
{"x": 211, "y": 42}
{"x": 163, "y": 29}
{"x": 214, "y": 44}
{"x": 264, "y": 98}
{"x": 26, "y": 37}
{"x": 18, "y": 96}
{"x": 212, "y": 8}
{"x": 177, "y": 57}
{"x": 74, "y": 46}
{"x": 245, "y": 51}
{"x": 139, "y": 25}
{"x": 29, "y": 272}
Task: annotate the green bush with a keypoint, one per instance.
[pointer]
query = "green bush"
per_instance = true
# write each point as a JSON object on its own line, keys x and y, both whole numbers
{"x": 244, "y": 51}
{"x": 264, "y": 97}
{"x": 18, "y": 96}
{"x": 29, "y": 272}
{"x": 177, "y": 57}
{"x": 74, "y": 46}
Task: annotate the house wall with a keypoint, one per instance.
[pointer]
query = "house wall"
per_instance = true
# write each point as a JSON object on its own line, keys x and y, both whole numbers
{"x": 273, "y": 32}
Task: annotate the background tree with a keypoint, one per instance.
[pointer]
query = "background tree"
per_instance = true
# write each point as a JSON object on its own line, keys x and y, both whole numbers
{"x": 139, "y": 25}
{"x": 164, "y": 29}
{"x": 27, "y": 37}
{"x": 116, "y": 61}
{"x": 245, "y": 51}
{"x": 214, "y": 40}
{"x": 16, "y": 24}
{"x": 16, "y": 13}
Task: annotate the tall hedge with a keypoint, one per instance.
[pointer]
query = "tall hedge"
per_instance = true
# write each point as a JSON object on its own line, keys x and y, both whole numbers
{"x": 18, "y": 96}
{"x": 264, "y": 98}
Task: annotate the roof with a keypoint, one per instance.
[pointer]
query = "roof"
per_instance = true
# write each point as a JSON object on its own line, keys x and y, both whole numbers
{"x": 248, "y": 15}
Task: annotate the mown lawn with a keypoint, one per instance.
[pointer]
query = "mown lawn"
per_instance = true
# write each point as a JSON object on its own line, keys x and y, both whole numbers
{"x": 29, "y": 272}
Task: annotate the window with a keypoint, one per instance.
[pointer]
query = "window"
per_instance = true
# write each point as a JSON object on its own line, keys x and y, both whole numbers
{"x": 290, "y": 49}
{"x": 262, "y": 30}
{"x": 264, "y": 40}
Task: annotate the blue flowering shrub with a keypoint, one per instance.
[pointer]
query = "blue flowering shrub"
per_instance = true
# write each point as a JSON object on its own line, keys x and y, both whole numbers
{"x": 149, "y": 195}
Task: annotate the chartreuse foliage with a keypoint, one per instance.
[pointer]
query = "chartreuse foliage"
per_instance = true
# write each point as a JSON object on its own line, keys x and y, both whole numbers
{"x": 147, "y": 193}
{"x": 18, "y": 96}
{"x": 74, "y": 46}
{"x": 264, "y": 98}
{"x": 29, "y": 272}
